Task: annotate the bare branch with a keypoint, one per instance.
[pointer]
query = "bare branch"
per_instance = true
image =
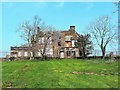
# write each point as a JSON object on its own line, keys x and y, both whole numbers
{"x": 101, "y": 30}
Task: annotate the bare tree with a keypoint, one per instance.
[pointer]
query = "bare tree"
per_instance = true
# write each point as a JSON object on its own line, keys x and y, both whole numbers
{"x": 101, "y": 30}
{"x": 36, "y": 24}
{"x": 28, "y": 33}
{"x": 26, "y": 29}
{"x": 45, "y": 40}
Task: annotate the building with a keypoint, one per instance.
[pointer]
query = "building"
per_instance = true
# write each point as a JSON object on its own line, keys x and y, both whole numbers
{"x": 61, "y": 44}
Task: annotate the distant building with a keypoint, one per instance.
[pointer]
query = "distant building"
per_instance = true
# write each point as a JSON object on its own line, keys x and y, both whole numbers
{"x": 63, "y": 46}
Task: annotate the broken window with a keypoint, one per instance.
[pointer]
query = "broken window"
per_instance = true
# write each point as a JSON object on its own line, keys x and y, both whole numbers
{"x": 80, "y": 53}
{"x": 68, "y": 53}
{"x": 73, "y": 52}
{"x": 59, "y": 43}
{"x": 59, "y": 37}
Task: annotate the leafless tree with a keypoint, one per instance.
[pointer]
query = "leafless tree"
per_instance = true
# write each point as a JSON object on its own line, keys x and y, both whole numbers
{"x": 33, "y": 32}
{"x": 45, "y": 38}
{"x": 26, "y": 29}
{"x": 28, "y": 33}
{"x": 36, "y": 23}
{"x": 101, "y": 30}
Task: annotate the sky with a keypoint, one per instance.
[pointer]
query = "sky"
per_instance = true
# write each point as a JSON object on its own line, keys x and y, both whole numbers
{"x": 60, "y": 15}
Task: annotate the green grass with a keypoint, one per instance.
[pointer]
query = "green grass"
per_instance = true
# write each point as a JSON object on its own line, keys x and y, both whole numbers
{"x": 58, "y": 74}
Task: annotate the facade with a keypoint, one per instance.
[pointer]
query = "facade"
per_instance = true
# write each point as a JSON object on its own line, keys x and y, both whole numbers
{"x": 61, "y": 44}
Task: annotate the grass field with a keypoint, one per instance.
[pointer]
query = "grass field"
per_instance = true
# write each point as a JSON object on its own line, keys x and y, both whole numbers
{"x": 67, "y": 73}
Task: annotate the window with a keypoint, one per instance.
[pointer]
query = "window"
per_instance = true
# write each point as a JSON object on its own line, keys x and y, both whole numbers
{"x": 59, "y": 37}
{"x": 80, "y": 53}
{"x": 39, "y": 41}
{"x": 39, "y": 54}
{"x": 25, "y": 53}
{"x": 68, "y": 53}
{"x": 73, "y": 52}
{"x": 50, "y": 39}
{"x": 68, "y": 38}
{"x": 42, "y": 40}
{"x": 19, "y": 53}
{"x": 49, "y": 51}
{"x": 31, "y": 53}
{"x": 73, "y": 43}
{"x": 59, "y": 43}
{"x": 67, "y": 45}
{"x": 14, "y": 55}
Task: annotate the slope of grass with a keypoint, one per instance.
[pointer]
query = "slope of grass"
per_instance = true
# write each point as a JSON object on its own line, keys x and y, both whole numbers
{"x": 59, "y": 74}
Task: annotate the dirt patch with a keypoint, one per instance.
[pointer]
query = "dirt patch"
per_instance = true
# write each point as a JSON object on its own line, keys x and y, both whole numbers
{"x": 90, "y": 73}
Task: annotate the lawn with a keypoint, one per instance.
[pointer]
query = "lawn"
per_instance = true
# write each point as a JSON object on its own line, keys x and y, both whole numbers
{"x": 67, "y": 73}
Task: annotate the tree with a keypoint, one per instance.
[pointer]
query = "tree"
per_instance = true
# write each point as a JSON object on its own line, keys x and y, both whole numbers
{"x": 46, "y": 33}
{"x": 84, "y": 44}
{"x": 29, "y": 33}
{"x": 101, "y": 30}
{"x": 26, "y": 29}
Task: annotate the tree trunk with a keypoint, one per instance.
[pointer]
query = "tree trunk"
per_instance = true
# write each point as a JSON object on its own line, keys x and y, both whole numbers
{"x": 103, "y": 53}
{"x": 33, "y": 51}
{"x": 33, "y": 57}
{"x": 29, "y": 52}
{"x": 84, "y": 56}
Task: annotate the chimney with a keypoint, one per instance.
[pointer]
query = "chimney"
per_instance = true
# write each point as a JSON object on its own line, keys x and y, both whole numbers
{"x": 72, "y": 29}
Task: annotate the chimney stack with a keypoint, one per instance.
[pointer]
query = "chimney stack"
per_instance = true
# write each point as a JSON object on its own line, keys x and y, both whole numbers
{"x": 72, "y": 27}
